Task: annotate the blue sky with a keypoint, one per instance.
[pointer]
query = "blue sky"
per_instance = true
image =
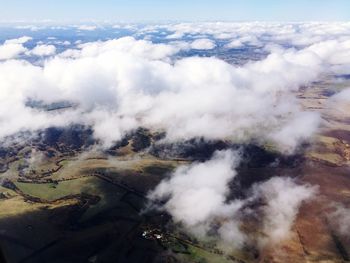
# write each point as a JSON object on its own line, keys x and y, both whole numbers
{"x": 159, "y": 10}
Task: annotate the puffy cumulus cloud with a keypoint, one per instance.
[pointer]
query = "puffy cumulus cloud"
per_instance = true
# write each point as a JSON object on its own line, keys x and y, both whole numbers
{"x": 297, "y": 130}
{"x": 9, "y": 51}
{"x": 283, "y": 198}
{"x": 14, "y": 114}
{"x": 245, "y": 102}
{"x": 12, "y": 48}
{"x": 43, "y": 50}
{"x": 117, "y": 128}
{"x": 125, "y": 83}
{"x": 237, "y": 43}
{"x": 127, "y": 45}
{"x": 20, "y": 40}
{"x": 243, "y": 41}
{"x": 195, "y": 196}
{"x": 203, "y": 43}
{"x": 334, "y": 51}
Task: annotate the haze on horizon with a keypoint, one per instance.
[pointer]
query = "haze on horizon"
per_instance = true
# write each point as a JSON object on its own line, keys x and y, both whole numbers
{"x": 157, "y": 10}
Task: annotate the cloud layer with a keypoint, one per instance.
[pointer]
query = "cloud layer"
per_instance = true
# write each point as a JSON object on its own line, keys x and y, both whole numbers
{"x": 125, "y": 83}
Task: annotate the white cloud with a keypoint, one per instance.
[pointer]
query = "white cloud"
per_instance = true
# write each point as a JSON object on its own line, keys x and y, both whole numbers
{"x": 198, "y": 191}
{"x": 196, "y": 197}
{"x": 43, "y": 50}
{"x": 235, "y": 44}
{"x": 12, "y": 48}
{"x": 87, "y": 27}
{"x": 9, "y": 51}
{"x": 203, "y": 43}
{"x": 127, "y": 45}
{"x": 20, "y": 40}
{"x": 283, "y": 198}
{"x": 254, "y": 33}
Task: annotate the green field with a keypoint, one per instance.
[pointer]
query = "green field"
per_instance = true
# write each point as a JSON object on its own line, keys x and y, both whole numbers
{"x": 87, "y": 185}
